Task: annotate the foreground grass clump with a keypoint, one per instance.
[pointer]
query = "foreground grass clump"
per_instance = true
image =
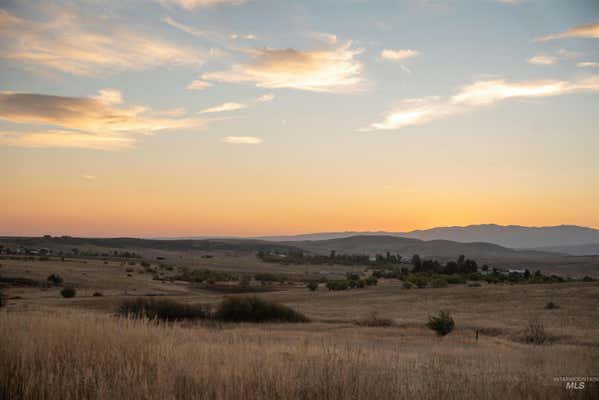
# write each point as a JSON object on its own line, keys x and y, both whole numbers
{"x": 162, "y": 309}
{"x": 255, "y": 309}
{"x": 534, "y": 332}
{"x": 441, "y": 324}
{"x": 373, "y": 320}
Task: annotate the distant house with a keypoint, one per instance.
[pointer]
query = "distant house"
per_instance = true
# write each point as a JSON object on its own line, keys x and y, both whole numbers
{"x": 516, "y": 271}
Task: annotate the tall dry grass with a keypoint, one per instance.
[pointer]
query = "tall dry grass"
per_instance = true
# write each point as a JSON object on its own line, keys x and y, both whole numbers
{"x": 84, "y": 356}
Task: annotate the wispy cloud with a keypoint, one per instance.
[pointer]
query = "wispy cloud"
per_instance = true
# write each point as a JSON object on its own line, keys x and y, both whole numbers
{"x": 265, "y": 98}
{"x": 398, "y": 55}
{"x": 541, "y": 60}
{"x": 583, "y": 31}
{"x": 327, "y": 38}
{"x": 198, "y": 84}
{"x": 247, "y": 36}
{"x": 86, "y": 46}
{"x": 481, "y": 93}
{"x": 88, "y": 122}
{"x": 241, "y": 140}
{"x": 319, "y": 71}
{"x": 191, "y": 4}
{"x": 88, "y": 177}
{"x": 230, "y": 106}
{"x": 64, "y": 139}
{"x": 587, "y": 64}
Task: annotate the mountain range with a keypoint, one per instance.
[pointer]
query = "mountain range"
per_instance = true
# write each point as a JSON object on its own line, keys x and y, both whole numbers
{"x": 569, "y": 239}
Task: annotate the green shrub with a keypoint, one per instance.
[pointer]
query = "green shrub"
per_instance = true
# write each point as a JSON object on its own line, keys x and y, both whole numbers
{"x": 439, "y": 283}
{"x": 455, "y": 279}
{"x": 419, "y": 282}
{"x": 162, "y": 309}
{"x": 68, "y": 292}
{"x": 254, "y": 309}
{"x": 312, "y": 285}
{"x": 441, "y": 324}
{"x": 55, "y": 279}
{"x": 371, "y": 281}
{"x": 407, "y": 285}
{"x": 338, "y": 285}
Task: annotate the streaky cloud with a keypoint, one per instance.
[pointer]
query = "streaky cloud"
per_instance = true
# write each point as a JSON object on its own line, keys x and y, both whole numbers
{"x": 481, "y": 93}
{"x": 582, "y": 31}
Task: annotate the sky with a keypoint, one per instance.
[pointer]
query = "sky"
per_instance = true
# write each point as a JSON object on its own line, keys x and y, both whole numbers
{"x": 254, "y": 117}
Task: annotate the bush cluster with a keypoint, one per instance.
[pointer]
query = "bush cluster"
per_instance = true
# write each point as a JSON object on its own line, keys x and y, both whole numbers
{"x": 68, "y": 292}
{"x": 55, "y": 279}
{"x": 231, "y": 309}
{"x": 255, "y": 309}
{"x": 163, "y": 309}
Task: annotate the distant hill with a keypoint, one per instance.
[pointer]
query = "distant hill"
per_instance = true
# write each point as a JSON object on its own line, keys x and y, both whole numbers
{"x": 591, "y": 249}
{"x": 248, "y": 245}
{"x": 373, "y": 244}
{"x": 513, "y": 236}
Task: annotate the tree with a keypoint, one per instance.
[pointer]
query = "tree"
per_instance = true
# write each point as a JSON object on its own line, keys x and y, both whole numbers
{"x": 416, "y": 263}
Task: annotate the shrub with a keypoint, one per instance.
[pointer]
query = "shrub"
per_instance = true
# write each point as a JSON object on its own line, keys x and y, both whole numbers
{"x": 55, "y": 279}
{"x": 162, "y": 309}
{"x": 455, "y": 279}
{"x": 474, "y": 284}
{"x": 374, "y": 320}
{"x": 441, "y": 324}
{"x": 312, "y": 285}
{"x": 439, "y": 283}
{"x": 338, "y": 285}
{"x": 419, "y": 282}
{"x": 254, "y": 309}
{"x": 268, "y": 277}
{"x": 587, "y": 279}
{"x": 68, "y": 292}
{"x": 535, "y": 332}
{"x": 97, "y": 294}
{"x": 2, "y": 300}
{"x": 551, "y": 306}
{"x": 407, "y": 285}
{"x": 371, "y": 281}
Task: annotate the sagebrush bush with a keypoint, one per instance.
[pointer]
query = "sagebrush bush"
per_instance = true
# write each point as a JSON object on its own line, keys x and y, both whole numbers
{"x": 312, "y": 285}
{"x": 162, "y": 309}
{"x": 534, "y": 332}
{"x": 551, "y": 305}
{"x": 68, "y": 292}
{"x": 255, "y": 309}
{"x": 441, "y": 324}
{"x": 55, "y": 279}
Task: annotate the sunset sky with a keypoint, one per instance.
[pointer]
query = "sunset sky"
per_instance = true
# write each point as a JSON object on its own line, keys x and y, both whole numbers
{"x": 254, "y": 117}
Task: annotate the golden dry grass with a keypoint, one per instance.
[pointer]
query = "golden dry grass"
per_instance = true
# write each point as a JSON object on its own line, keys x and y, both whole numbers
{"x": 74, "y": 355}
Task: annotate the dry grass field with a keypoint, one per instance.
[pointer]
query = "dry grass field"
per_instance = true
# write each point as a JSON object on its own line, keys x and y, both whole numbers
{"x": 59, "y": 348}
